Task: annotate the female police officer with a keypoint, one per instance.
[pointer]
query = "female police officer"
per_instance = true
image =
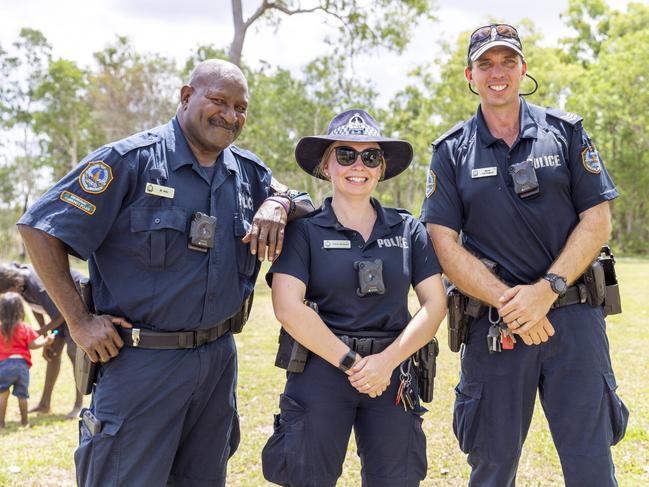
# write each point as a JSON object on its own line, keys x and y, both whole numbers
{"x": 356, "y": 261}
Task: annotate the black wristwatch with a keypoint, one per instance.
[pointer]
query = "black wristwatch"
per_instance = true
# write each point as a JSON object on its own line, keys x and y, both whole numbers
{"x": 347, "y": 362}
{"x": 557, "y": 283}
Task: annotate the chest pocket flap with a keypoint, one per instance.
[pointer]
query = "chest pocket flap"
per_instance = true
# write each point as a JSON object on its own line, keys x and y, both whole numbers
{"x": 145, "y": 219}
{"x": 161, "y": 247}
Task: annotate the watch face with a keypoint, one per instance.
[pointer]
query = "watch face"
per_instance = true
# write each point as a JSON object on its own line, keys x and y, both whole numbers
{"x": 560, "y": 285}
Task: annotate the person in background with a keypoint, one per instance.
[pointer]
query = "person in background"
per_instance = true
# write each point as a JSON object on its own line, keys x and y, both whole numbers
{"x": 22, "y": 279}
{"x": 16, "y": 340}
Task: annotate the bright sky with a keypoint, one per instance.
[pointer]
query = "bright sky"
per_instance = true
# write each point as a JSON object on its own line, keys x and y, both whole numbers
{"x": 77, "y": 28}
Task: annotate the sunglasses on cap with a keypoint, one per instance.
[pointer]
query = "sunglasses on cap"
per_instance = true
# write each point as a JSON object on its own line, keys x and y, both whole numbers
{"x": 504, "y": 31}
{"x": 346, "y": 156}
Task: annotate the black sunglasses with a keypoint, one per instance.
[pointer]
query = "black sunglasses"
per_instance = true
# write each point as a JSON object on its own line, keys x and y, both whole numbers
{"x": 346, "y": 156}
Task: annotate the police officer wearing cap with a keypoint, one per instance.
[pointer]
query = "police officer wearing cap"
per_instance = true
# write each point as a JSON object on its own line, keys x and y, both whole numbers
{"x": 527, "y": 190}
{"x": 165, "y": 218}
{"x": 354, "y": 261}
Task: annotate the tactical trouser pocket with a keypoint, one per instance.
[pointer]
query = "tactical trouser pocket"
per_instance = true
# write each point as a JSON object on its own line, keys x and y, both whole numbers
{"x": 618, "y": 411}
{"x": 465, "y": 413}
{"x": 97, "y": 457}
{"x": 285, "y": 456}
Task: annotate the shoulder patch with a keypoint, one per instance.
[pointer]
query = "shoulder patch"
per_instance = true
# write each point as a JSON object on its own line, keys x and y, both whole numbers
{"x": 590, "y": 158}
{"x": 246, "y": 154}
{"x": 456, "y": 128}
{"x": 78, "y": 202}
{"x": 142, "y": 139}
{"x": 568, "y": 117}
{"x": 431, "y": 183}
{"x": 96, "y": 177}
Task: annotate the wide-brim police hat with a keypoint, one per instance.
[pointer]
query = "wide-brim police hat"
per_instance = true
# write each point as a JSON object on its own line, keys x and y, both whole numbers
{"x": 354, "y": 125}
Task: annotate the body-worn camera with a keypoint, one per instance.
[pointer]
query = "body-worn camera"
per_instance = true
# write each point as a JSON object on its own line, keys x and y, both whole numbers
{"x": 201, "y": 232}
{"x": 370, "y": 277}
{"x": 526, "y": 184}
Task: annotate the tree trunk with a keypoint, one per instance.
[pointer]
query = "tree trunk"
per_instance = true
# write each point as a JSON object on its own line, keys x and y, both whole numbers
{"x": 239, "y": 33}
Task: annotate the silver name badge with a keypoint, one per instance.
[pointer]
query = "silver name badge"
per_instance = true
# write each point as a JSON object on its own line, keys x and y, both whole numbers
{"x": 157, "y": 190}
{"x": 484, "y": 172}
{"x": 337, "y": 244}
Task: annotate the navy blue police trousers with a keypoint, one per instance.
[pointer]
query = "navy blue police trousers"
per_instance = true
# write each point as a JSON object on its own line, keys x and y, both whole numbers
{"x": 572, "y": 373}
{"x": 168, "y": 417}
{"x": 318, "y": 410}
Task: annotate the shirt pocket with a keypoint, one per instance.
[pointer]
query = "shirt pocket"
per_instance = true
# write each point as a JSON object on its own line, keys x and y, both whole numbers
{"x": 160, "y": 237}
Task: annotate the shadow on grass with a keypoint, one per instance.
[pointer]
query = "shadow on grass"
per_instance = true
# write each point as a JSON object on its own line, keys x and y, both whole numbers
{"x": 35, "y": 421}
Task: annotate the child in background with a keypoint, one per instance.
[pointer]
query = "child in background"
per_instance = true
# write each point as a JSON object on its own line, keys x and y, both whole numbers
{"x": 16, "y": 339}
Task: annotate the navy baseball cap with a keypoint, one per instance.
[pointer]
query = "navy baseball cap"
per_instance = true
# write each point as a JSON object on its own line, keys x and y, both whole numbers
{"x": 355, "y": 125}
{"x": 484, "y": 38}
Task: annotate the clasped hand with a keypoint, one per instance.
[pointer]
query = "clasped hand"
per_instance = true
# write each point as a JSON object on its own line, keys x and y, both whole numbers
{"x": 524, "y": 309}
{"x": 371, "y": 375}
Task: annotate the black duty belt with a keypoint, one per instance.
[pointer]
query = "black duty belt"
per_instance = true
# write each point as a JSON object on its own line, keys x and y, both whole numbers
{"x": 574, "y": 295}
{"x": 366, "y": 342}
{"x": 137, "y": 337}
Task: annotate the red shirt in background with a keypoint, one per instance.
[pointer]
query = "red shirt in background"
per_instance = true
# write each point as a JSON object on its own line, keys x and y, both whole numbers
{"x": 19, "y": 344}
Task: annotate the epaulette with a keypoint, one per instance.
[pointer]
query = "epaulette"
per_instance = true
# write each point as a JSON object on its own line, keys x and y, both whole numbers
{"x": 568, "y": 117}
{"x": 448, "y": 133}
{"x": 403, "y": 211}
{"x": 315, "y": 212}
{"x": 142, "y": 139}
{"x": 246, "y": 154}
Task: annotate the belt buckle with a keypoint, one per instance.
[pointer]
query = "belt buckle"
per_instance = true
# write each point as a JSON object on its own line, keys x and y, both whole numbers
{"x": 135, "y": 336}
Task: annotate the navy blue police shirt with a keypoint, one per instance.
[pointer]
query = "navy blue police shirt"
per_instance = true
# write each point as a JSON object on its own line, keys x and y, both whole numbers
{"x": 470, "y": 190}
{"x": 321, "y": 252}
{"x": 127, "y": 208}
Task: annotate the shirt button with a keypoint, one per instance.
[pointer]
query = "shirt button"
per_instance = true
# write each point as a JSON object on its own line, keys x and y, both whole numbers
{"x": 210, "y": 297}
{"x": 157, "y": 220}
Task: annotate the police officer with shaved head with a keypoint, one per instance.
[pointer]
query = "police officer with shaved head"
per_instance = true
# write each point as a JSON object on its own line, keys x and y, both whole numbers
{"x": 525, "y": 188}
{"x": 169, "y": 220}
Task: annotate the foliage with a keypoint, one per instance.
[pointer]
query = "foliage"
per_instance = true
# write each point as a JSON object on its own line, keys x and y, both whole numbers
{"x": 613, "y": 96}
{"x": 53, "y": 111}
{"x": 65, "y": 119}
{"x": 361, "y": 25}
{"x": 130, "y": 91}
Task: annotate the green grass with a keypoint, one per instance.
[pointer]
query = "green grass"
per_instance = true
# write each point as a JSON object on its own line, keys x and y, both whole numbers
{"x": 44, "y": 451}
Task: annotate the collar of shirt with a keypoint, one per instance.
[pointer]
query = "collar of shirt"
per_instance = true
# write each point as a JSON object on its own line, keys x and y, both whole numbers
{"x": 182, "y": 155}
{"x": 385, "y": 219}
{"x": 528, "y": 125}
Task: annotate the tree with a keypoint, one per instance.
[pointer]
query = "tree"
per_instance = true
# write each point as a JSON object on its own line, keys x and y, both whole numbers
{"x": 130, "y": 92}
{"x": 22, "y": 72}
{"x": 612, "y": 96}
{"x": 64, "y": 120}
{"x": 362, "y": 25}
